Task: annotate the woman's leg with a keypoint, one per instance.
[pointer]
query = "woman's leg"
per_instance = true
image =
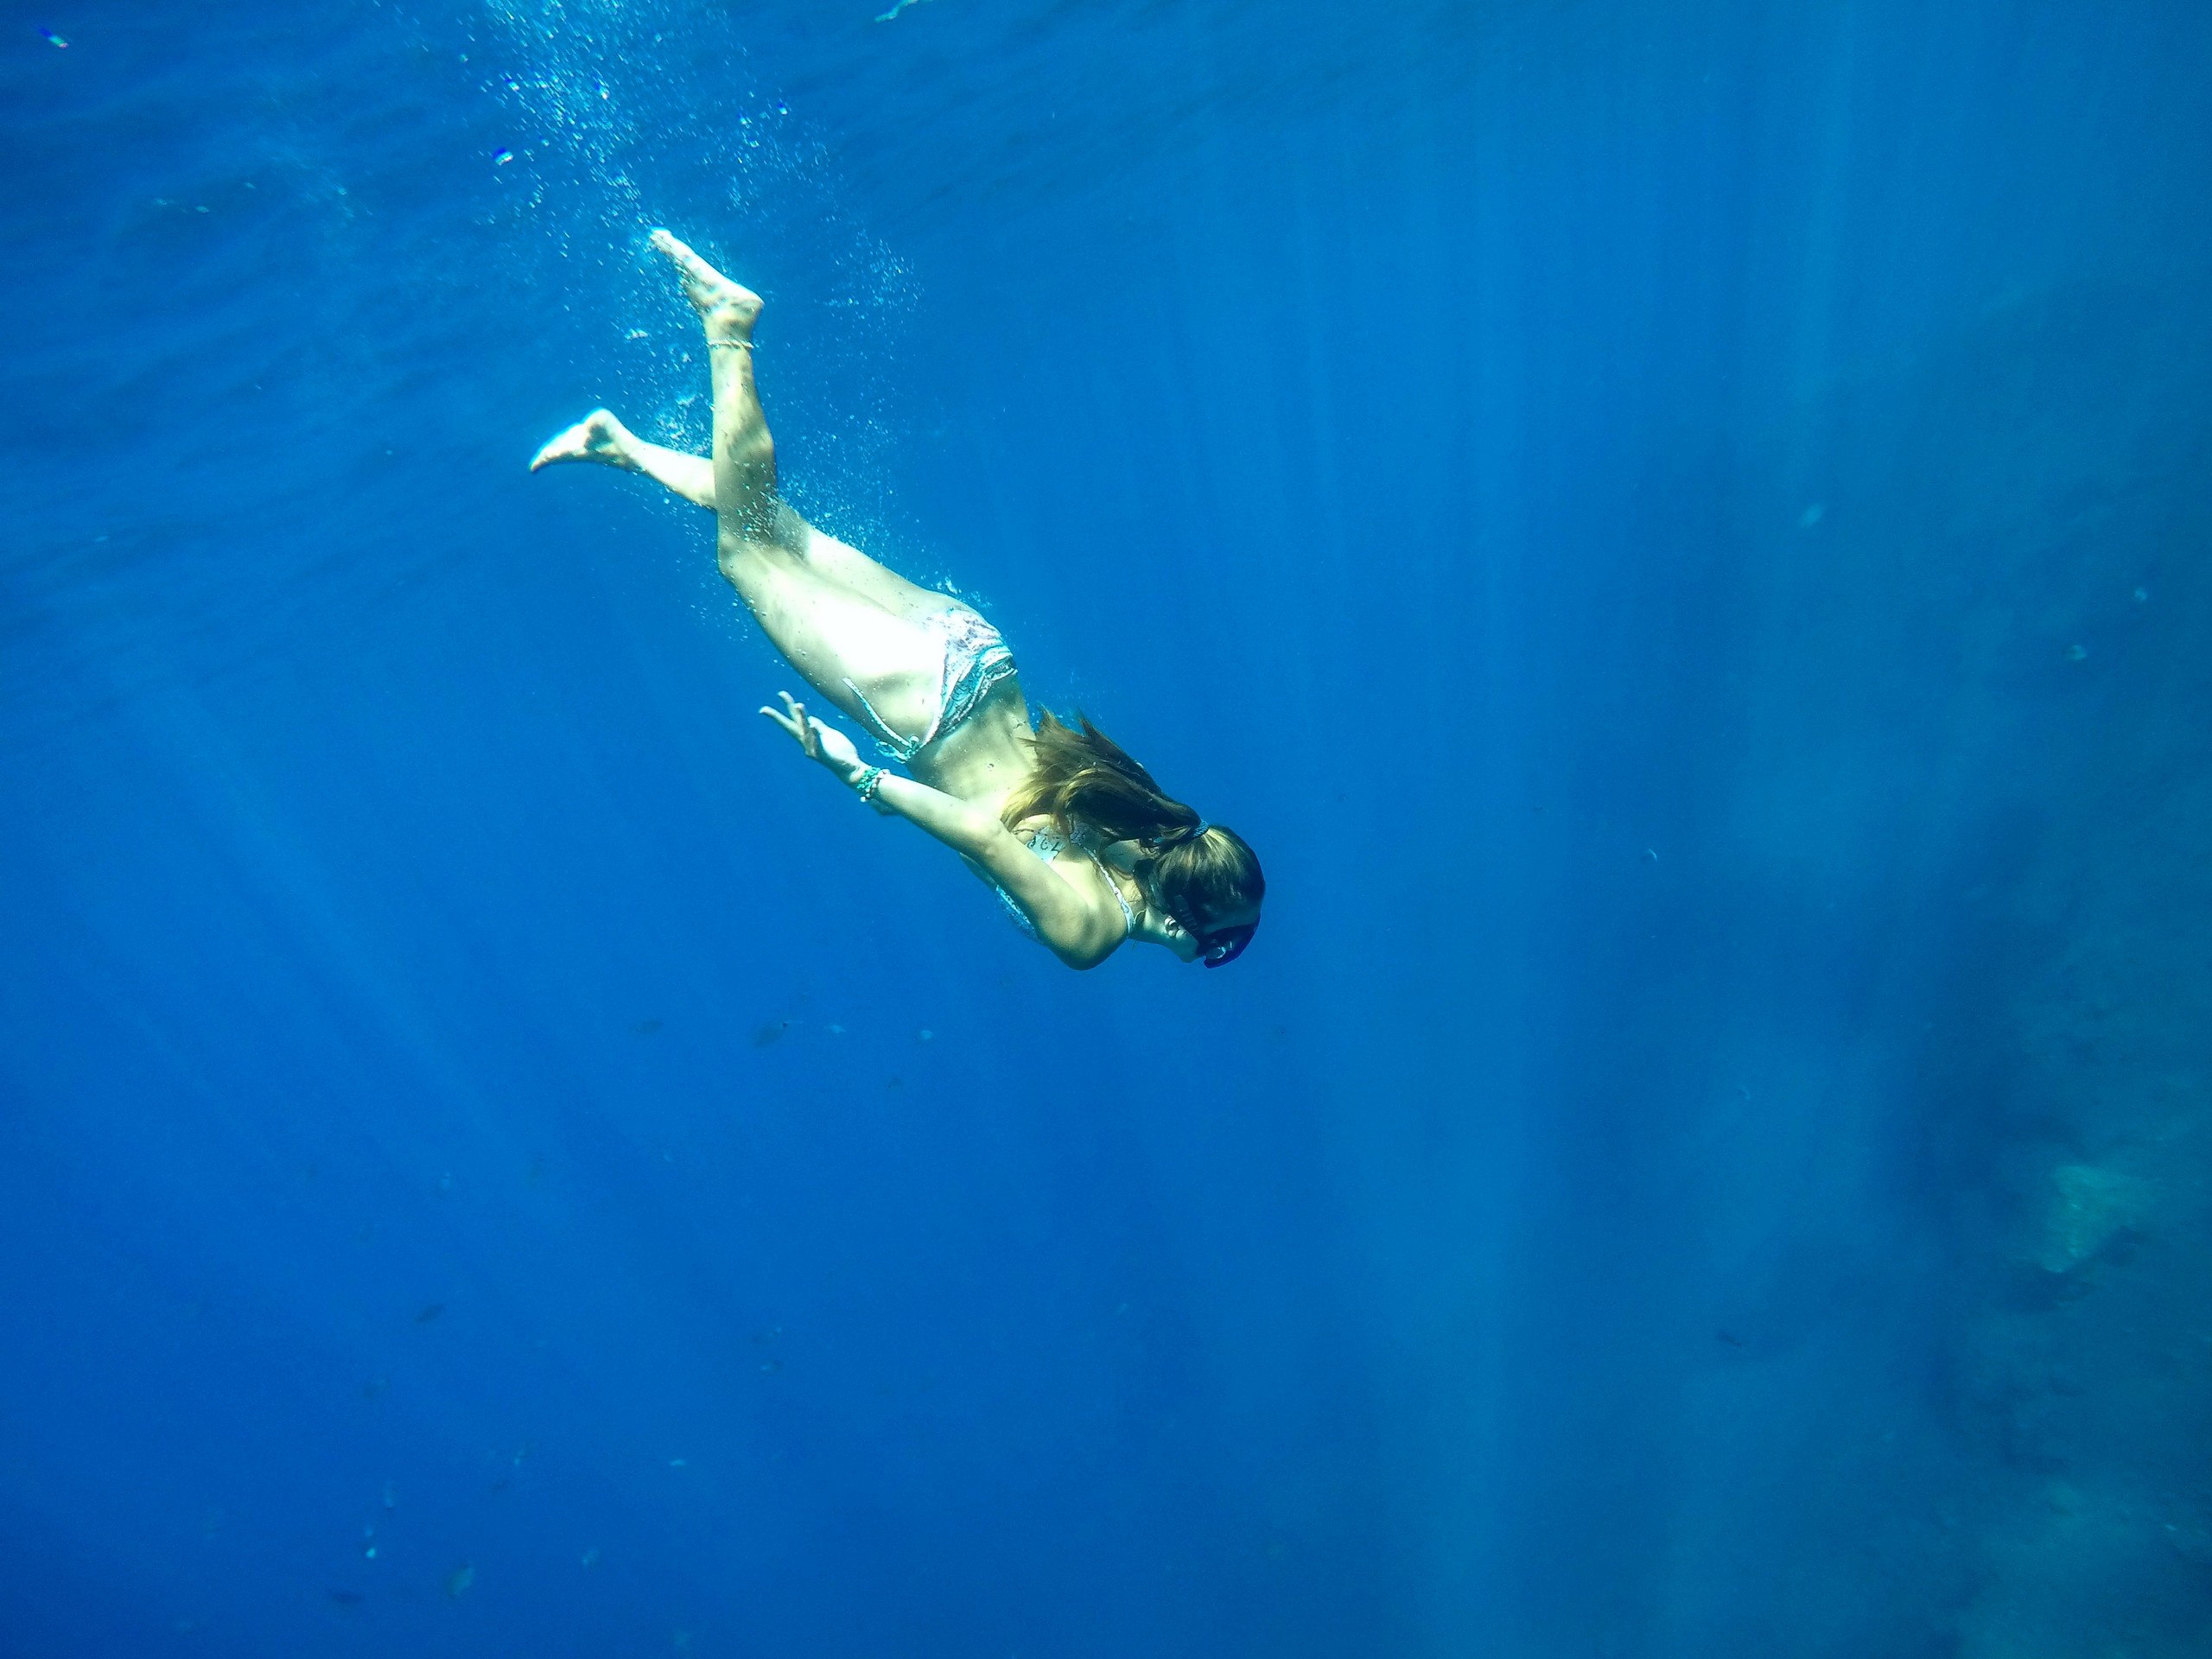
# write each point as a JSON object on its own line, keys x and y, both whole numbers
{"x": 827, "y": 631}
{"x": 600, "y": 436}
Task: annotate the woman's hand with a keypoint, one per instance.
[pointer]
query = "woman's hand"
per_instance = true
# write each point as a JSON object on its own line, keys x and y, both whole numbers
{"x": 825, "y": 744}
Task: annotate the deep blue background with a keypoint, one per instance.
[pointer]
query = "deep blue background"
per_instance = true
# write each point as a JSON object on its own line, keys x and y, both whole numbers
{"x": 1673, "y": 528}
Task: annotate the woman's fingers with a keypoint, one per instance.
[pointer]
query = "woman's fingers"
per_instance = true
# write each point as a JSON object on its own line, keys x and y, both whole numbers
{"x": 819, "y": 742}
{"x": 793, "y": 720}
{"x": 801, "y": 727}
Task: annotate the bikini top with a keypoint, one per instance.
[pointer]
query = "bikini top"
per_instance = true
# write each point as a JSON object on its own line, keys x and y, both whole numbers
{"x": 1048, "y": 844}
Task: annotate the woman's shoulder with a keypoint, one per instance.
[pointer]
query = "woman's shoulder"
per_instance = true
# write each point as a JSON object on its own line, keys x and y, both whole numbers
{"x": 1041, "y": 836}
{"x": 1074, "y": 832}
{"x": 1082, "y": 933}
{"x": 1087, "y": 835}
{"x": 1040, "y": 831}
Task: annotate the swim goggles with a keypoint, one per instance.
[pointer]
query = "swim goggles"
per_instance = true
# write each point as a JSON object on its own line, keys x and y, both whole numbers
{"x": 1217, "y": 947}
{"x": 1223, "y": 945}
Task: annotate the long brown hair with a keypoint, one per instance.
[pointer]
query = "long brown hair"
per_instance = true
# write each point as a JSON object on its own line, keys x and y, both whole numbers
{"x": 1201, "y": 870}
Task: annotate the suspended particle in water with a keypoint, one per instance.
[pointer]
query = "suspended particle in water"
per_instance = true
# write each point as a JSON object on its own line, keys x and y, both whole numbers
{"x": 459, "y": 1579}
{"x": 501, "y": 157}
{"x": 2075, "y": 653}
{"x": 53, "y": 39}
{"x": 2142, "y": 596}
{"x": 1811, "y": 516}
{"x": 591, "y": 1558}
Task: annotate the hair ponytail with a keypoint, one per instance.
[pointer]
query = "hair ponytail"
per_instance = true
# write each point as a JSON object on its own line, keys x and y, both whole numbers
{"x": 1085, "y": 774}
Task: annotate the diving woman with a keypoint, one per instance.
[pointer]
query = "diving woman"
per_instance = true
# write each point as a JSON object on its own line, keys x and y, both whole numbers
{"x": 1085, "y": 849}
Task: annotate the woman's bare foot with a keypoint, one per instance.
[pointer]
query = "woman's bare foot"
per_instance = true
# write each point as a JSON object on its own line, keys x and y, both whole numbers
{"x": 727, "y": 309}
{"x": 599, "y": 436}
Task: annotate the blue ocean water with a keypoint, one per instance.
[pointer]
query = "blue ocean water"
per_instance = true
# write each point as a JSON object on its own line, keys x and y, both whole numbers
{"x": 1678, "y": 532}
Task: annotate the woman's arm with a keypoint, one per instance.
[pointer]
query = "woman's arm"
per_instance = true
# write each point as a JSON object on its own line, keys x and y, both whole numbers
{"x": 1068, "y": 924}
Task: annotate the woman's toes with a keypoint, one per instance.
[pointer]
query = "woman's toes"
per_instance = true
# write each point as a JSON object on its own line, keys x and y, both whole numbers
{"x": 698, "y": 274}
{"x": 598, "y": 436}
{"x": 714, "y": 295}
{"x": 568, "y": 446}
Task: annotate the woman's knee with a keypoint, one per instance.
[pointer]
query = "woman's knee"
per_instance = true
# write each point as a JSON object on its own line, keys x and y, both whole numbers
{"x": 750, "y": 562}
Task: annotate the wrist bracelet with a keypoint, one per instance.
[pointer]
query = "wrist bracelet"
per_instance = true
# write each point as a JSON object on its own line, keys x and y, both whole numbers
{"x": 865, "y": 785}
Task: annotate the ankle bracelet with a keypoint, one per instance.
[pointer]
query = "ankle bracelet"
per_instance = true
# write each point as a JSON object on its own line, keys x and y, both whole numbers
{"x": 730, "y": 345}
